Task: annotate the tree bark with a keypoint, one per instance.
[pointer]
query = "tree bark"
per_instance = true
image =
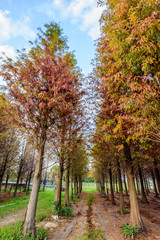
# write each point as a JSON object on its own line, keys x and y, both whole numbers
{"x": 122, "y": 208}
{"x": 154, "y": 184}
{"x": 144, "y": 198}
{"x": 80, "y": 184}
{"x": 138, "y": 190}
{"x": 57, "y": 197}
{"x": 75, "y": 185}
{"x": 66, "y": 197}
{"x": 157, "y": 174}
{"x": 135, "y": 217}
{"x": 29, "y": 181}
{"x": 125, "y": 184}
{"x": 3, "y": 169}
{"x": 18, "y": 177}
{"x": 29, "y": 223}
{"x": 72, "y": 184}
{"x": 111, "y": 187}
{"x": 44, "y": 182}
{"x": 7, "y": 178}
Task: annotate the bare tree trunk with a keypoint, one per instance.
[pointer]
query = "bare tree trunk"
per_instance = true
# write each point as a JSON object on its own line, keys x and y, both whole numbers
{"x": 44, "y": 182}
{"x": 144, "y": 198}
{"x": 111, "y": 187}
{"x": 29, "y": 181}
{"x": 75, "y": 185}
{"x": 29, "y": 223}
{"x": 125, "y": 184}
{"x": 80, "y": 184}
{"x": 154, "y": 184}
{"x": 7, "y": 178}
{"x": 122, "y": 208}
{"x": 57, "y": 197}
{"x": 135, "y": 217}
{"x": 107, "y": 187}
{"x": 72, "y": 184}
{"x": 66, "y": 198}
{"x": 138, "y": 190}
{"x": 18, "y": 177}
{"x": 157, "y": 174}
{"x": 3, "y": 169}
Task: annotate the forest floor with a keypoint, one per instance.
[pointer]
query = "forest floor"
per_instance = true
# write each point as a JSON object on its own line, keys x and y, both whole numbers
{"x": 105, "y": 217}
{"x": 101, "y": 217}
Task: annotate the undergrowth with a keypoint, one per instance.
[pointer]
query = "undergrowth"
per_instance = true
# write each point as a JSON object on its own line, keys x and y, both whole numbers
{"x": 95, "y": 234}
{"x": 89, "y": 200}
{"x": 15, "y": 231}
{"x": 62, "y": 211}
{"x": 130, "y": 230}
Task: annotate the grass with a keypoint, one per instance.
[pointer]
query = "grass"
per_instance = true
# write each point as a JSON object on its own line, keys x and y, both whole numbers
{"x": 14, "y": 232}
{"x": 44, "y": 206}
{"x": 89, "y": 200}
{"x": 95, "y": 234}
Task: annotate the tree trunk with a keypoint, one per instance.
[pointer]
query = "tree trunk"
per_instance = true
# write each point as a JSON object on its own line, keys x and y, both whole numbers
{"x": 7, "y": 178}
{"x": 125, "y": 184}
{"x": 157, "y": 174}
{"x": 154, "y": 184}
{"x": 57, "y": 197}
{"x": 138, "y": 190}
{"x": 107, "y": 187}
{"x": 111, "y": 187}
{"x": 80, "y": 184}
{"x": 29, "y": 223}
{"x": 72, "y": 184}
{"x": 103, "y": 183}
{"x": 122, "y": 208}
{"x": 66, "y": 198}
{"x": 75, "y": 185}
{"x": 144, "y": 198}
{"x": 44, "y": 182}
{"x": 18, "y": 177}
{"x": 2, "y": 170}
{"x": 29, "y": 181}
{"x": 135, "y": 217}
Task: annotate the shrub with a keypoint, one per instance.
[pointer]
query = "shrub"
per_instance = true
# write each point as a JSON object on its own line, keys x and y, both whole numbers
{"x": 130, "y": 230}
{"x": 62, "y": 211}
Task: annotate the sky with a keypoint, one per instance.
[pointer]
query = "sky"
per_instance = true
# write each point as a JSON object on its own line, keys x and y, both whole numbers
{"x": 79, "y": 19}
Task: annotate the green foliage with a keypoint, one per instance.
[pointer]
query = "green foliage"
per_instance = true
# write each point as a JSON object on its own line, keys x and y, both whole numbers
{"x": 78, "y": 196}
{"x": 88, "y": 180}
{"x": 89, "y": 200}
{"x": 95, "y": 234}
{"x": 103, "y": 194}
{"x": 15, "y": 233}
{"x": 129, "y": 230}
{"x": 62, "y": 211}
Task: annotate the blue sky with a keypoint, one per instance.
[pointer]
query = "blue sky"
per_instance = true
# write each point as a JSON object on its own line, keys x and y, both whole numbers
{"x": 19, "y": 20}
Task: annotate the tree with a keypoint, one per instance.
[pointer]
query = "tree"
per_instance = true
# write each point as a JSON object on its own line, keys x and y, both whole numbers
{"x": 40, "y": 84}
{"x": 127, "y": 63}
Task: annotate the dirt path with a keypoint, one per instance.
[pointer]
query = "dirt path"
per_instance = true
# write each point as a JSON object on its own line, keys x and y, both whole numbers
{"x": 105, "y": 216}
{"x": 12, "y": 218}
{"x": 101, "y": 215}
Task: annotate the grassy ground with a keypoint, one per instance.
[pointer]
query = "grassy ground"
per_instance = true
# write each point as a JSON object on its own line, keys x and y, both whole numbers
{"x": 45, "y": 202}
{"x": 44, "y": 207}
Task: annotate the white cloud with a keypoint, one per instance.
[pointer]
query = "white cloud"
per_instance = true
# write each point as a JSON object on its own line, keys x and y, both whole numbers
{"x": 10, "y": 28}
{"x": 84, "y": 13}
{"x": 5, "y": 26}
{"x": 59, "y": 3}
{"x": 8, "y": 50}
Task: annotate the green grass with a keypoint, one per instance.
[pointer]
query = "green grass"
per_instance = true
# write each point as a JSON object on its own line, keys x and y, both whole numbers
{"x": 44, "y": 206}
{"x": 89, "y": 200}
{"x": 14, "y": 232}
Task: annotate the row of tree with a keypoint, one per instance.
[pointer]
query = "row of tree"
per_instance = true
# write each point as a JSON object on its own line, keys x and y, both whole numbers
{"x": 128, "y": 69}
{"x": 44, "y": 102}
